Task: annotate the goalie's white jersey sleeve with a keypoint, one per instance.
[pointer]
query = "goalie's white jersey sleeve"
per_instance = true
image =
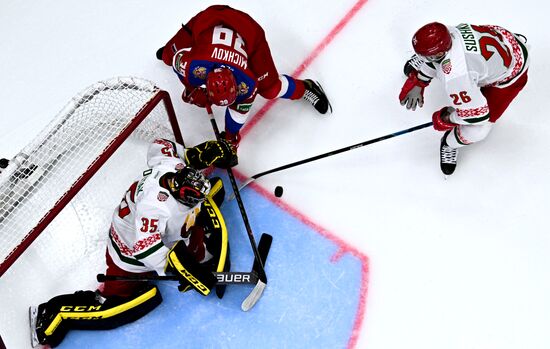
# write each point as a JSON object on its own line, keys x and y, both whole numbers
{"x": 480, "y": 56}
{"x": 149, "y": 219}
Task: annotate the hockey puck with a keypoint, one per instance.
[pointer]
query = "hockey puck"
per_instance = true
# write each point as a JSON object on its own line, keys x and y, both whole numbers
{"x": 278, "y": 191}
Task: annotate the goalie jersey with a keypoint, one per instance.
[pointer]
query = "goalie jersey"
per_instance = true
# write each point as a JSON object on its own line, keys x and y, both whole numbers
{"x": 149, "y": 220}
{"x": 480, "y": 56}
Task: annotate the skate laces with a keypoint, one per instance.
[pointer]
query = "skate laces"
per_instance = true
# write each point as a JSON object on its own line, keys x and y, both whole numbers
{"x": 311, "y": 97}
{"x": 448, "y": 155}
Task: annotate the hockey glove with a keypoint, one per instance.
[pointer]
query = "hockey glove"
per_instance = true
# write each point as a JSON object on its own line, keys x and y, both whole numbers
{"x": 218, "y": 153}
{"x": 159, "y": 53}
{"x": 412, "y": 92}
{"x": 190, "y": 272}
{"x": 441, "y": 119}
{"x": 196, "y": 96}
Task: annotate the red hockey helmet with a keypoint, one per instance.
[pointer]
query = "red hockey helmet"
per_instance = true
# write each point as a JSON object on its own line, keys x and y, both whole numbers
{"x": 432, "y": 40}
{"x": 221, "y": 86}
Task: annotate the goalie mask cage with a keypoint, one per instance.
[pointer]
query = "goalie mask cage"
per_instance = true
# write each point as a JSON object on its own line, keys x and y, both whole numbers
{"x": 63, "y": 187}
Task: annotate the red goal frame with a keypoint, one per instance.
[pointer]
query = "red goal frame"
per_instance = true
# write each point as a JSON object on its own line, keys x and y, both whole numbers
{"x": 160, "y": 96}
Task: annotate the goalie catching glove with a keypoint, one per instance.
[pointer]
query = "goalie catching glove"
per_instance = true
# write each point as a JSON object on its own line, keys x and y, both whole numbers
{"x": 183, "y": 264}
{"x": 218, "y": 153}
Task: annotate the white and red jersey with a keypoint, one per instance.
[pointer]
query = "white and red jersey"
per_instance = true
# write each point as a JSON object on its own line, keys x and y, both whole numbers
{"x": 480, "y": 56}
{"x": 149, "y": 220}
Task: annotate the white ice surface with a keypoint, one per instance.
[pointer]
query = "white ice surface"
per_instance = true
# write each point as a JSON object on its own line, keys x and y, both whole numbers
{"x": 461, "y": 263}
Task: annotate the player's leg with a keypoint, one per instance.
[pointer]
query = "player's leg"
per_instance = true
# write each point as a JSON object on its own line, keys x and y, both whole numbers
{"x": 91, "y": 311}
{"x": 500, "y": 98}
{"x": 217, "y": 190}
{"x": 460, "y": 136}
{"x": 273, "y": 85}
{"x": 116, "y": 303}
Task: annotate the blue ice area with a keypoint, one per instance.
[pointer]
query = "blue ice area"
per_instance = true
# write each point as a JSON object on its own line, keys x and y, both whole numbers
{"x": 310, "y": 301}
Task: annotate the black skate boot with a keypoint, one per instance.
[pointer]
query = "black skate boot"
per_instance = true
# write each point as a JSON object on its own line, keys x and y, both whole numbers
{"x": 413, "y": 64}
{"x": 448, "y": 157}
{"x": 316, "y": 96}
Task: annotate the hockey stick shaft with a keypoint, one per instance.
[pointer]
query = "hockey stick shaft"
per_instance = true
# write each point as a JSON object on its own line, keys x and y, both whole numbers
{"x": 260, "y": 270}
{"x": 224, "y": 278}
{"x": 334, "y": 152}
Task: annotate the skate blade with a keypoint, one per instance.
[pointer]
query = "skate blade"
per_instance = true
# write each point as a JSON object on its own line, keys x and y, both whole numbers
{"x": 33, "y": 314}
{"x": 328, "y": 100}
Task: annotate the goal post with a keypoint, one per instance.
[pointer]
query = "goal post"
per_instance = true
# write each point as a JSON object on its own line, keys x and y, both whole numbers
{"x": 50, "y": 173}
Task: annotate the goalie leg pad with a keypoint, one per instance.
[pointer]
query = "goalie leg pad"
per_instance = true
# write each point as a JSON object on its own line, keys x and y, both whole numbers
{"x": 183, "y": 263}
{"x": 217, "y": 191}
{"x": 89, "y": 310}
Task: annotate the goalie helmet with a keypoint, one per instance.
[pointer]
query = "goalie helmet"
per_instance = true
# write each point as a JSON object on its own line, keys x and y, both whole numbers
{"x": 189, "y": 186}
{"x": 221, "y": 86}
{"x": 431, "y": 40}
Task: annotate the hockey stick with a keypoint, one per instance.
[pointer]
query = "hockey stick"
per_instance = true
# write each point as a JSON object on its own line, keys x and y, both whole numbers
{"x": 224, "y": 278}
{"x": 330, "y": 153}
{"x": 258, "y": 290}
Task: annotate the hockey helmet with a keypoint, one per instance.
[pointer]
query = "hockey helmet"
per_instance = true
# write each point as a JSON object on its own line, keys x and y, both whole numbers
{"x": 189, "y": 186}
{"x": 432, "y": 41}
{"x": 221, "y": 86}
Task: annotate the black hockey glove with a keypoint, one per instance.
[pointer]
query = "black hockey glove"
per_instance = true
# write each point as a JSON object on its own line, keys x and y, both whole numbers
{"x": 218, "y": 153}
{"x": 160, "y": 51}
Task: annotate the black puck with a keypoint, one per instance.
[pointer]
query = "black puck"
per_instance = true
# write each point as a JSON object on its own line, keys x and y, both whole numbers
{"x": 278, "y": 191}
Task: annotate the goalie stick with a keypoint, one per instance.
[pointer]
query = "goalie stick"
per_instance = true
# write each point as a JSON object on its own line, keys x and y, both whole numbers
{"x": 224, "y": 277}
{"x": 258, "y": 290}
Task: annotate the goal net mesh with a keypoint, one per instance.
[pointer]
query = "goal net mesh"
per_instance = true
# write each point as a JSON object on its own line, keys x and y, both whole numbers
{"x": 63, "y": 187}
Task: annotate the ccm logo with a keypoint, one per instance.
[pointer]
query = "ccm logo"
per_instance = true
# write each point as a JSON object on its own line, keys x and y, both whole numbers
{"x": 233, "y": 278}
{"x": 195, "y": 281}
{"x": 80, "y": 307}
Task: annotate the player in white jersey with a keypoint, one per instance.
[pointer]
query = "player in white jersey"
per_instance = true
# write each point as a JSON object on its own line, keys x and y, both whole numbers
{"x": 168, "y": 221}
{"x": 483, "y": 68}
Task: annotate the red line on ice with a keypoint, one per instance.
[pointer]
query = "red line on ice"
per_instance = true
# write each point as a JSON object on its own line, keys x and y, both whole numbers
{"x": 344, "y": 247}
{"x": 254, "y": 119}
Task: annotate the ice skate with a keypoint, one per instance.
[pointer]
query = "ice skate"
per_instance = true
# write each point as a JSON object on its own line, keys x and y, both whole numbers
{"x": 315, "y": 95}
{"x": 448, "y": 157}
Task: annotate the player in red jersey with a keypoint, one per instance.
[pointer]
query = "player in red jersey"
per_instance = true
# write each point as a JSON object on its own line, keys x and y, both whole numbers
{"x": 222, "y": 57}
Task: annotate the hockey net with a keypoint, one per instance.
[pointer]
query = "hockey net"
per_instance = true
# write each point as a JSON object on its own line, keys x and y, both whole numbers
{"x": 60, "y": 191}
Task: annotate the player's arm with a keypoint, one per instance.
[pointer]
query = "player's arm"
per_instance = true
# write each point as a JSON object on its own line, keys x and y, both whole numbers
{"x": 468, "y": 106}
{"x": 418, "y": 78}
{"x": 162, "y": 149}
{"x": 237, "y": 114}
{"x": 182, "y": 39}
